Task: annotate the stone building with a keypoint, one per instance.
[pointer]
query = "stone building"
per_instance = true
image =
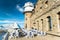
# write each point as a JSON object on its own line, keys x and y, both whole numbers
{"x": 44, "y": 16}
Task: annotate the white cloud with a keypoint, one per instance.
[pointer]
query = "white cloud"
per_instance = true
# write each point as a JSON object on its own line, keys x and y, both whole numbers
{"x": 7, "y": 21}
{"x": 4, "y": 21}
{"x": 19, "y": 8}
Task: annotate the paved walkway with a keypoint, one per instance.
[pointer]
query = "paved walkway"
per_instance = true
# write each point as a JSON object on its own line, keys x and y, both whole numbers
{"x": 47, "y": 37}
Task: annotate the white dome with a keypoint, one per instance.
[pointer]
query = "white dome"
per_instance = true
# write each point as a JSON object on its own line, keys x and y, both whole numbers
{"x": 28, "y": 6}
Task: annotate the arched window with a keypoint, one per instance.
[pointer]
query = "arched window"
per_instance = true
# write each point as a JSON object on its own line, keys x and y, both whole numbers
{"x": 59, "y": 17}
{"x": 46, "y": 2}
{"x": 34, "y": 24}
{"x": 38, "y": 24}
{"x": 42, "y": 23}
{"x": 49, "y": 23}
{"x": 26, "y": 26}
{"x": 26, "y": 18}
{"x": 40, "y": 7}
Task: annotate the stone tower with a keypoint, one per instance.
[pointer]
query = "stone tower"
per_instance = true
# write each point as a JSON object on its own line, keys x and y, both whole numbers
{"x": 28, "y": 9}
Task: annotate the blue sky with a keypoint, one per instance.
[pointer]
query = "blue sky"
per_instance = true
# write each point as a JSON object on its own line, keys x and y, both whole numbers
{"x": 9, "y": 12}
